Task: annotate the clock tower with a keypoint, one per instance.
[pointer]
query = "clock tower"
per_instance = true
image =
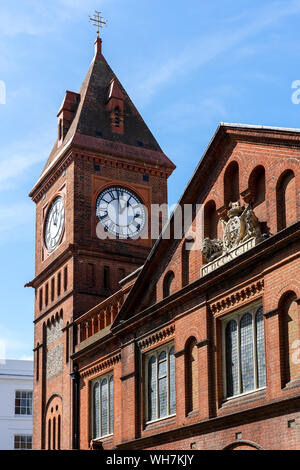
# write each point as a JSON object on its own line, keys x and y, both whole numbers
{"x": 93, "y": 205}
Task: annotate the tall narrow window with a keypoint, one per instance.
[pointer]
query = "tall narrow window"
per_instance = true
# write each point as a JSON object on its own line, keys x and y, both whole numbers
{"x": 65, "y": 278}
{"x": 245, "y": 368}
{"x": 96, "y": 410}
{"x": 160, "y": 383}
{"x": 46, "y": 294}
{"x": 41, "y": 298}
{"x": 290, "y": 341}
{"x": 210, "y": 220}
{"x": 231, "y": 183}
{"x": 49, "y": 434}
{"x": 58, "y": 432}
{"x": 103, "y": 409}
{"x": 260, "y": 346}
{"x": 185, "y": 261}
{"x": 52, "y": 289}
{"x": 58, "y": 284}
{"x": 257, "y": 185}
{"x": 191, "y": 374}
{"x": 117, "y": 117}
{"x": 232, "y": 364}
{"x": 286, "y": 200}
{"x": 54, "y": 433}
{"x": 91, "y": 275}
{"x": 106, "y": 277}
{"x": 168, "y": 284}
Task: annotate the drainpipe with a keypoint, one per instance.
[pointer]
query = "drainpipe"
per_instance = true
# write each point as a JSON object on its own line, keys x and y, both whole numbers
{"x": 75, "y": 379}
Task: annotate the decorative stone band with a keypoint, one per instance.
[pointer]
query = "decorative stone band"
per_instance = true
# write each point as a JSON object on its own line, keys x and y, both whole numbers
{"x": 157, "y": 337}
{"x": 237, "y": 298}
{"x": 232, "y": 254}
{"x": 107, "y": 363}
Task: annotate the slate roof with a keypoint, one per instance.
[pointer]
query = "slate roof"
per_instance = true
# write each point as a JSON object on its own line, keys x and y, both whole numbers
{"x": 93, "y": 119}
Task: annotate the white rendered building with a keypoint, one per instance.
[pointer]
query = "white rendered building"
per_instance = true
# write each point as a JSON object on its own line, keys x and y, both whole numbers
{"x": 16, "y": 386}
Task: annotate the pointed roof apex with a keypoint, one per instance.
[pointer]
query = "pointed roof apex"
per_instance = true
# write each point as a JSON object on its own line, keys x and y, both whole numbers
{"x": 98, "y": 49}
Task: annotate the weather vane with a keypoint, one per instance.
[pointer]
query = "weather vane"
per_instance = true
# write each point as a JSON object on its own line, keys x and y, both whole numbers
{"x": 98, "y": 21}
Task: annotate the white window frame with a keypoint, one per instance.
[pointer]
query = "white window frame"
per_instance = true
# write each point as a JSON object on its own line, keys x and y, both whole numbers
{"x": 237, "y": 316}
{"x": 100, "y": 380}
{"x": 147, "y": 356}
{"x": 29, "y": 415}
{"x": 22, "y": 435}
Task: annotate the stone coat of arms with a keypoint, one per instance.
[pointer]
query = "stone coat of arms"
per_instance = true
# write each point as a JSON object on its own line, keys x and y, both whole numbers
{"x": 242, "y": 224}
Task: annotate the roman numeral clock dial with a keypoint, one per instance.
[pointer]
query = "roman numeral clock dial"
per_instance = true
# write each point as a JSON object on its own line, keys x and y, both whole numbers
{"x": 54, "y": 224}
{"x": 120, "y": 212}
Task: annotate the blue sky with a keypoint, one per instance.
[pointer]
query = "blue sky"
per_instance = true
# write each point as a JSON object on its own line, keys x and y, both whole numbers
{"x": 186, "y": 65}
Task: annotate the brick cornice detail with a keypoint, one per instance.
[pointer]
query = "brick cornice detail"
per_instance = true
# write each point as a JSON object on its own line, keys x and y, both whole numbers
{"x": 157, "y": 337}
{"x": 111, "y": 361}
{"x": 238, "y": 298}
{"x": 48, "y": 180}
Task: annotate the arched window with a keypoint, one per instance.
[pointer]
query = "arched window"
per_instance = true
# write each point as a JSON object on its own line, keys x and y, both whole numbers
{"x": 232, "y": 365}
{"x": 290, "y": 341}
{"x": 245, "y": 367}
{"x": 160, "y": 383}
{"x": 210, "y": 220}
{"x": 257, "y": 185}
{"x": 191, "y": 376}
{"x": 168, "y": 284}
{"x": 185, "y": 261}
{"x": 96, "y": 410}
{"x": 103, "y": 409}
{"x": 286, "y": 200}
{"x": 247, "y": 358}
{"x": 231, "y": 183}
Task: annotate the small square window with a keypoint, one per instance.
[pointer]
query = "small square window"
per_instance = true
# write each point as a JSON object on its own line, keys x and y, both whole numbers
{"x": 23, "y": 403}
{"x": 145, "y": 177}
{"x": 97, "y": 167}
{"x": 23, "y": 442}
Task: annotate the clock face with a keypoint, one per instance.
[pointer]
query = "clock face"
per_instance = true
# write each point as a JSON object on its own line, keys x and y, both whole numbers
{"x": 55, "y": 223}
{"x": 120, "y": 212}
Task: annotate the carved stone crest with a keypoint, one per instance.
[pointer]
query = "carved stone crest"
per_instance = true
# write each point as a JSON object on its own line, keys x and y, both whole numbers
{"x": 242, "y": 224}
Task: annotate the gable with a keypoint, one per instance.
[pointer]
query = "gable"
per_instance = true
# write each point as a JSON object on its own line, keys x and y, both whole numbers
{"x": 245, "y": 163}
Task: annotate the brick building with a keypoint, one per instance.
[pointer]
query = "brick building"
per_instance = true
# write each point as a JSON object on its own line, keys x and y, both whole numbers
{"x": 167, "y": 343}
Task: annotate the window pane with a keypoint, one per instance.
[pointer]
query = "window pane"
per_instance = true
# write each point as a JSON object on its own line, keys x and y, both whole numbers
{"x": 111, "y": 405}
{"x": 152, "y": 388}
{"x": 260, "y": 348}
{"x": 96, "y": 407}
{"x": 162, "y": 385}
{"x": 247, "y": 357}
{"x": 104, "y": 407}
{"x": 172, "y": 381}
{"x": 231, "y": 341}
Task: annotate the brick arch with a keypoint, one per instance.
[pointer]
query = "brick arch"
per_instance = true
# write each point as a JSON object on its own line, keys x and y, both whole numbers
{"x": 53, "y": 422}
{"x": 292, "y": 286}
{"x": 243, "y": 445}
{"x": 286, "y": 199}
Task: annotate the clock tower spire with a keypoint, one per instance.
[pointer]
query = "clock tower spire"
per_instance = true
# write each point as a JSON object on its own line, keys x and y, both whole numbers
{"x": 105, "y": 168}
